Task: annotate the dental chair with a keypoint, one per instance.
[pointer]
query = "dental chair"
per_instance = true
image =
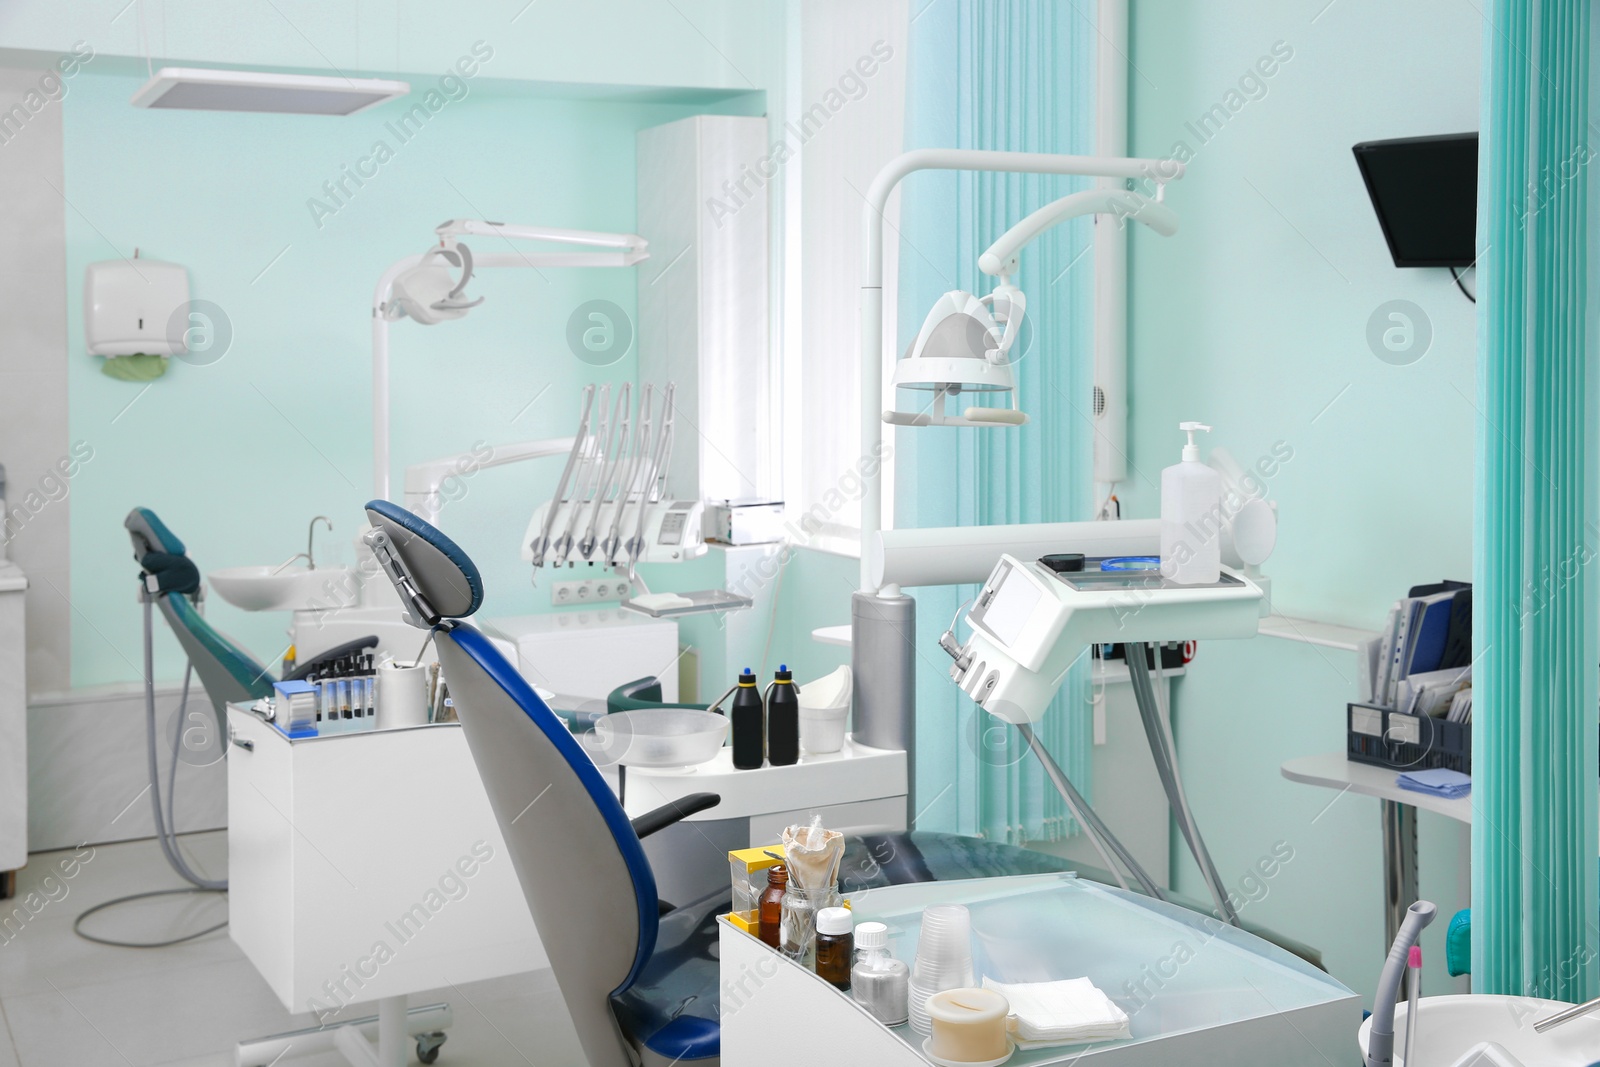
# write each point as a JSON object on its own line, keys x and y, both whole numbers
{"x": 169, "y": 579}
{"x": 584, "y": 874}
{"x": 639, "y": 977}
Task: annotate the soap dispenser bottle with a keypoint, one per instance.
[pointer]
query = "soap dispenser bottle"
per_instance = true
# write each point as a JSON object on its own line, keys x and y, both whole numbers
{"x": 1191, "y": 517}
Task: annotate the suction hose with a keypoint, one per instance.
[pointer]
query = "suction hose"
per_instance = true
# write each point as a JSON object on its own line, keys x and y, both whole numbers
{"x": 165, "y": 822}
{"x": 1158, "y": 732}
{"x": 166, "y": 834}
{"x": 1099, "y": 833}
{"x": 1380, "y": 1039}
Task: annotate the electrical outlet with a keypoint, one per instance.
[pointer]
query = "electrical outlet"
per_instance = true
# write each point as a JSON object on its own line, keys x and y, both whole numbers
{"x": 603, "y": 590}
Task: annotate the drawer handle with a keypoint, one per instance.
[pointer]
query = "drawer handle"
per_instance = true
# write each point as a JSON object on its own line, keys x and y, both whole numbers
{"x": 244, "y": 743}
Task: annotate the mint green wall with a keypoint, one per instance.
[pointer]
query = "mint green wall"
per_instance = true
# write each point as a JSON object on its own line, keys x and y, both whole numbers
{"x": 1253, "y": 319}
{"x": 816, "y": 592}
{"x": 239, "y": 454}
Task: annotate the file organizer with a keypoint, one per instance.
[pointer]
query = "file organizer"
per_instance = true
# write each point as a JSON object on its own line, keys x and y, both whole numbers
{"x": 1387, "y": 738}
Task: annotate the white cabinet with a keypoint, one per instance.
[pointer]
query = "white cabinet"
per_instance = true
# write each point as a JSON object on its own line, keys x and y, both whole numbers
{"x": 368, "y": 865}
{"x": 703, "y": 298}
{"x": 13, "y": 719}
{"x": 588, "y": 653}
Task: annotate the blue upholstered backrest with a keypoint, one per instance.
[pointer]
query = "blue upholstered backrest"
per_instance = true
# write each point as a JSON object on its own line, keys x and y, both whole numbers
{"x": 553, "y": 731}
{"x": 470, "y": 660}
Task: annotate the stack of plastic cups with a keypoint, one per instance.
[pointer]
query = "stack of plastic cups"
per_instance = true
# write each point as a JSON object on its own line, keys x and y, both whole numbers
{"x": 944, "y": 959}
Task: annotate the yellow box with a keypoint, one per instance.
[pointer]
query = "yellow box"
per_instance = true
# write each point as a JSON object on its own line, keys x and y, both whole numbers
{"x": 747, "y": 869}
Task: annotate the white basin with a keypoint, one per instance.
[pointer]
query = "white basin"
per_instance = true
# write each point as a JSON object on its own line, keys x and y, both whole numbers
{"x": 1451, "y": 1026}
{"x": 285, "y": 588}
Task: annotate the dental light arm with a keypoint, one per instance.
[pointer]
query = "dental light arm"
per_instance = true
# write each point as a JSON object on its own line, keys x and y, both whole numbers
{"x": 602, "y": 249}
{"x": 951, "y": 363}
{"x": 425, "y": 482}
{"x": 874, "y": 355}
{"x": 409, "y": 276}
{"x": 1000, "y": 260}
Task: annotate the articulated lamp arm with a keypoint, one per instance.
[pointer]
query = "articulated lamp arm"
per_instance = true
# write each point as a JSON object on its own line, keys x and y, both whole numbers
{"x": 1001, "y": 259}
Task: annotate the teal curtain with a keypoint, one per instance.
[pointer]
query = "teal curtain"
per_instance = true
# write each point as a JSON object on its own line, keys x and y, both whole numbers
{"x": 1010, "y": 75}
{"x": 1534, "y": 826}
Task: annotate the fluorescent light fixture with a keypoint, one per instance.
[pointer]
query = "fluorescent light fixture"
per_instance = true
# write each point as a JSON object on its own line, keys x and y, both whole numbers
{"x": 193, "y": 89}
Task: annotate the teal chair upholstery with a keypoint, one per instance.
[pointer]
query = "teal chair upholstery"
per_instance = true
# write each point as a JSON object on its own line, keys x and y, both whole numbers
{"x": 641, "y": 694}
{"x": 171, "y": 580}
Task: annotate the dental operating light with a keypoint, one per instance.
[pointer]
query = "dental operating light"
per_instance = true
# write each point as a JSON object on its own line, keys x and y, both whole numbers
{"x": 966, "y": 341}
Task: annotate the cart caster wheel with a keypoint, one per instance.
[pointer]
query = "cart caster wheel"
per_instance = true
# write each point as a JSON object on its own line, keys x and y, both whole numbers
{"x": 428, "y": 1046}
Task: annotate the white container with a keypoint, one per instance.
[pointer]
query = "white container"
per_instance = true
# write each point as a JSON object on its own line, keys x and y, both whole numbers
{"x": 822, "y": 730}
{"x": 825, "y": 713}
{"x": 402, "y": 694}
{"x": 1191, "y": 518}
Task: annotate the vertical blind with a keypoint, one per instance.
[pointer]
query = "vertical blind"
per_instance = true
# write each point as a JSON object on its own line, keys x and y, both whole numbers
{"x": 1005, "y": 75}
{"x": 1534, "y": 830}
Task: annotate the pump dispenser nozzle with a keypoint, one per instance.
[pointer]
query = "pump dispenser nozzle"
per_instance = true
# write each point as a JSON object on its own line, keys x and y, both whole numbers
{"x": 1191, "y": 451}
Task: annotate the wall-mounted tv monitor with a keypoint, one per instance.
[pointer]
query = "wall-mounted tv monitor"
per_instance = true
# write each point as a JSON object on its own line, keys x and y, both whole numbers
{"x": 1425, "y": 191}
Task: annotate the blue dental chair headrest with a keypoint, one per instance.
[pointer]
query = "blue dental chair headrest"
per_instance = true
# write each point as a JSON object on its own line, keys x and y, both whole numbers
{"x": 443, "y": 581}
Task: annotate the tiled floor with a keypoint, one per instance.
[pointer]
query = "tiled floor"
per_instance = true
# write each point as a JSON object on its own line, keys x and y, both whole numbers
{"x": 66, "y": 1002}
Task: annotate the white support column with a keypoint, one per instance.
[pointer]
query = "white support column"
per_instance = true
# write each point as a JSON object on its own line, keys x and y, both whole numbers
{"x": 1110, "y": 403}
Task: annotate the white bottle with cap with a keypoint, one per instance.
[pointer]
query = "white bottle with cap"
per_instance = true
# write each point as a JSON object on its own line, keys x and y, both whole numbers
{"x": 1191, "y": 517}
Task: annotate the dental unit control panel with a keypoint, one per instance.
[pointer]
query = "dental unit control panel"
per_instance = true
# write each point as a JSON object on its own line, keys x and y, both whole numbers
{"x": 1032, "y": 621}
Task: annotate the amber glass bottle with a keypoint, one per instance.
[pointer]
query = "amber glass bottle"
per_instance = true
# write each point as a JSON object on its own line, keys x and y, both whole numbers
{"x": 835, "y": 946}
{"x": 769, "y": 912}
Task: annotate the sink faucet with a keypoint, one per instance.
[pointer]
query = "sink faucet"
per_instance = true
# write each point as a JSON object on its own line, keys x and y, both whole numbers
{"x": 1380, "y": 1039}
{"x": 311, "y": 530}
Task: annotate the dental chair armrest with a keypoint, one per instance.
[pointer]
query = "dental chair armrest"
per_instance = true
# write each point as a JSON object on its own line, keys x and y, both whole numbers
{"x": 673, "y": 811}
{"x": 303, "y": 671}
{"x": 641, "y": 694}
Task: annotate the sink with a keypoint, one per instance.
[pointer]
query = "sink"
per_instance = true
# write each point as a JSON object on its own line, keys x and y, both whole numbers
{"x": 285, "y": 588}
{"x": 1450, "y": 1026}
